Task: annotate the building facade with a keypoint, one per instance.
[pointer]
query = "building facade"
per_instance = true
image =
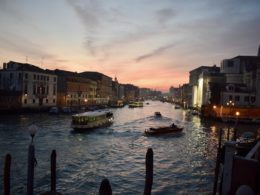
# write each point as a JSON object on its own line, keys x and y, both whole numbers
{"x": 74, "y": 90}
{"x": 37, "y": 87}
{"x": 199, "y": 80}
{"x": 104, "y": 86}
{"x": 242, "y": 81}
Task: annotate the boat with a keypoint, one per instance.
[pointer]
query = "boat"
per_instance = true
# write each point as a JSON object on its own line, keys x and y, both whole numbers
{"x": 157, "y": 114}
{"x": 135, "y": 104}
{"x": 117, "y": 104}
{"x": 66, "y": 110}
{"x": 163, "y": 130}
{"x": 54, "y": 110}
{"x": 91, "y": 120}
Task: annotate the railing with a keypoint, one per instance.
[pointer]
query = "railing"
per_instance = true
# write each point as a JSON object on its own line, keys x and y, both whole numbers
{"x": 240, "y": 172}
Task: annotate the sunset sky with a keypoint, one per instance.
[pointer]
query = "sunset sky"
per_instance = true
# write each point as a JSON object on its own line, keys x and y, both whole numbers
{"x": 149, "y": 43}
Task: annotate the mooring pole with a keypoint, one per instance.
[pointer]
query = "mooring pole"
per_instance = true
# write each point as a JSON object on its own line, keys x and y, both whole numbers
{"x": 105, "y": 188}
{"x": 217, "y": 162}
{"x": 7, "y": 174}
{"x": 149, "y": 172}
{"x": 53, "y": 171}
{"x": 30, "y": 171}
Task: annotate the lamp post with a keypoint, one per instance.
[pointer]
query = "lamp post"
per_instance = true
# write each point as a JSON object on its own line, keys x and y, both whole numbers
{"x": 230, "y": 104}
{"x": 235, "y": 127}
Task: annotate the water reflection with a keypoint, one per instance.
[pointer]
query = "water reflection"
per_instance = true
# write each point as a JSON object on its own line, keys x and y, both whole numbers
{"x": 183, "y": 163}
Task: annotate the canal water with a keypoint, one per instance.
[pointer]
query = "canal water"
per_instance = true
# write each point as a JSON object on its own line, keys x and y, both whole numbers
{"x": 183, "y": 163}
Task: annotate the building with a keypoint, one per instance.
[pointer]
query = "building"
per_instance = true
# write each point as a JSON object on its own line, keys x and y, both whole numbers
{"x": 36, "y": 88}
{"x": 199, "y": 80}
{"x": 131, "y": 92}
{"x": 104, "y": 86}
{"x": 74, "y": 90}
{"x": 186, "y": 95}
{"x": 242, "y": 81}
{"x": 175, "y": 94}
{"x": 115, "y": 90}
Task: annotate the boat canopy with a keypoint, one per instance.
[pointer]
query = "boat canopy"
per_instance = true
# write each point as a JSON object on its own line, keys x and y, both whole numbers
{"x": 91, "y": 114}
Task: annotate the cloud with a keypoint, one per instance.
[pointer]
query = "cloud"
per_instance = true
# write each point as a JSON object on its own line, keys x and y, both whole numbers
{"x": 156, "y": 52}
{"x": 165, "y": 14}
{"x": 88, "y": 13}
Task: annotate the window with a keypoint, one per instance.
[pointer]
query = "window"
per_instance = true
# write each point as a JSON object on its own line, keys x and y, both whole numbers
{"x": 47, "y": 90}
{"x": 25, "y": 101}
{"x": 34, "y": 77}
{"x": 253, "y": 99}
{"x": 33, "y": 101}
{"x": 54, "y": 79}
{"x": 26, "y": 75}
{"x": 237, "y": 98}
{"x": 230, "y": 97}
{"x": 11, "y": 76}
{"x": 41, "y": 77}
{"x": 34, "y": 89}
{"x": 20, "y": 76}
{"x": 47, "y": 78}
{"x": 25, "y": 88}
{"x": 230, "y": 64}
{"x": 46, "y": 100}
{"x": 246, "y": 98}
{"x": 54, "y": 89}
{"x": 53, "y": 100}
{"x": 38, "y": 77}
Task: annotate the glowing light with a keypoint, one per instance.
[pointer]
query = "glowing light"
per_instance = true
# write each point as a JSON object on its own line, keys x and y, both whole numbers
{"x": 214, "y": 107}
{"x": 237, "y": 113}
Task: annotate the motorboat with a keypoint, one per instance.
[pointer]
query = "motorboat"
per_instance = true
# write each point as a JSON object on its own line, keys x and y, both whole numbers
{"x": 163, "y": 130}
{"x": 157, "y": 114}
{"x": 54, "y": 110}
{"x": 92, "y": 120}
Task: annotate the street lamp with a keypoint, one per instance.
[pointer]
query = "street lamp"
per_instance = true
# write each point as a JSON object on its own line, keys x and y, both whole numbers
{"x": 235, "y": 128}
{"x": 230, "y": 104}
{"x": 32, "y": 130}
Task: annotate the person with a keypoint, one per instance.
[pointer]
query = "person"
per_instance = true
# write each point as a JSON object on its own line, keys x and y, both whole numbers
{"x": 173, "y": 125}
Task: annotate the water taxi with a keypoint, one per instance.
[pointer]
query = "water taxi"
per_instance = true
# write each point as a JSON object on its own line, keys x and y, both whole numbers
{"x": 91, "y": 120}
{"x": 135, "y": 104}
{"x": 163, "y": 130}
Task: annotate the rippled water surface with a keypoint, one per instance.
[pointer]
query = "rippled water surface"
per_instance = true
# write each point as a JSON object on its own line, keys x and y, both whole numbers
{"x": 183, "y": 163}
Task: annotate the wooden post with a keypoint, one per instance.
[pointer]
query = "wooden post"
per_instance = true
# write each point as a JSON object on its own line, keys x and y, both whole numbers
{"x": 149, "y": 172}
{"x": 217, "y": 163}
{"x": 30, "y": 171}
{"x": 105, "y": 188}
{"x": 234, "y": 134}
{"x": 230, "y": 148}
{"x": 7, "y": 174}
{"x": 53, "y": 171}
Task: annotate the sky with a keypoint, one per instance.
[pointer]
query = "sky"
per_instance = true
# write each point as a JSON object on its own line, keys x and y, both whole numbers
{"x": 148, "y": 43}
